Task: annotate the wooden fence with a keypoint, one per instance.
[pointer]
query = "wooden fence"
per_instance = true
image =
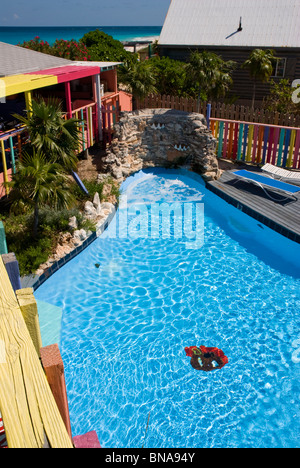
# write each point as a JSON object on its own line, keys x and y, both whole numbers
{"x": 257, "y": 143}
{"x": 220, "y": 110}
{"x": 242, "y": 134}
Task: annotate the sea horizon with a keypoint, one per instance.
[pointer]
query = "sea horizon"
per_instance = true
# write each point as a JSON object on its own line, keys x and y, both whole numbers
{"x": 18, "y": 34}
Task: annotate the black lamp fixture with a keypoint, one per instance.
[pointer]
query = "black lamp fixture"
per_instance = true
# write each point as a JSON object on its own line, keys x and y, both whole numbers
{"x": 240, "y": 25}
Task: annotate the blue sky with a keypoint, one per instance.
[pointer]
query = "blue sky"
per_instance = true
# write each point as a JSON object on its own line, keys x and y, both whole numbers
{"x": 84, "y": 12}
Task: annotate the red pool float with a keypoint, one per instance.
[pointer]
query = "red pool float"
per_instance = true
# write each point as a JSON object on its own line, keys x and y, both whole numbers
{"x": 207, "y": 356}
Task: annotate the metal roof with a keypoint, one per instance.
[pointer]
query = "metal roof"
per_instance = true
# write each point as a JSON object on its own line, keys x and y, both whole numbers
{"x": 104, "y": 66}
{"x": 265, "y": 23}
{"x": 15, "y": 60}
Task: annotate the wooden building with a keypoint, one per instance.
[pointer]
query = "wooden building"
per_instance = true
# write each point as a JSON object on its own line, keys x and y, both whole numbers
{"x": 87, "y": 90}
{"x": 232, "y": 29}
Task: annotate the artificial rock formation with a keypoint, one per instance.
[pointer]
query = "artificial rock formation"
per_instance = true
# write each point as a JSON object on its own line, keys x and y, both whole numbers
{"x": 161, "y": 137}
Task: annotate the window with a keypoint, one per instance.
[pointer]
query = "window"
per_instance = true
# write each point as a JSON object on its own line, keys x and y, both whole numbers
{"x": 279, "y": 68}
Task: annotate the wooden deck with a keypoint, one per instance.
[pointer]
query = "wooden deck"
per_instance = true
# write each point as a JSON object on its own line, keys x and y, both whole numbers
{"x": 282, "y": 215}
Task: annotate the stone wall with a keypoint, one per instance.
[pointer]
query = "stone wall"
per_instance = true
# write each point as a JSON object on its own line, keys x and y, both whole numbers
{"x": 161, "y": 137}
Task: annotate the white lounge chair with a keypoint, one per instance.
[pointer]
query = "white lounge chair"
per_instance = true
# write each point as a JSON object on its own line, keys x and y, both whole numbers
{"x": 268, "y": 182}
{"x": 279, "y": 173}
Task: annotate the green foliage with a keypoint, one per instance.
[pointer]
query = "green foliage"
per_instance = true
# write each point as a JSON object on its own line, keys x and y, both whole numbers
{"x": 260, "y": 65}
{"x": 30, "y": 253}
{"x": 58, "y": 220}
{"x": 93, "y": 187}
{"x": 38, "y": 183}
{"x": 140, "y": 77}
{"x": 33, "y": 254}
{"x": 170, "y": 76}
{"x": 103, "y": 47}
{"x": 280, "y": 98}
{"x": 71, "y": 50}
{"x": 95, "y": 45}
{"x": 210, "y": 74}
{"x": 51, "y": 133}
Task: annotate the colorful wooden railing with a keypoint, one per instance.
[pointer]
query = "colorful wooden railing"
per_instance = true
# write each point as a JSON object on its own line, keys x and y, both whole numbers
{"x": 11, "y": 142}
{"x": 89, "y": 126}
{"x": 257, "y": 143}
{"x": 110, "y": 116}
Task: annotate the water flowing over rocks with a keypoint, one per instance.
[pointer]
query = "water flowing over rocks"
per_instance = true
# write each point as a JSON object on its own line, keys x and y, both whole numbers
{"x": 161, "y": 137}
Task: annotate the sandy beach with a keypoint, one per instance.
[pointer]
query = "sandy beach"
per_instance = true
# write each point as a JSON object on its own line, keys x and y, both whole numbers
{"x": 151, "y": 39}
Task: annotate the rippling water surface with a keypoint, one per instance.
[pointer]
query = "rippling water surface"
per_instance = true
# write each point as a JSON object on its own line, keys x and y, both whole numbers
{"x": 126, "y": 323}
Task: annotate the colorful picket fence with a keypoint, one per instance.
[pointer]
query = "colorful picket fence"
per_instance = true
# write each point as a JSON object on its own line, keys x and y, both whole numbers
{"x": 219, "y": 110}
{"x": 257, "y": 143}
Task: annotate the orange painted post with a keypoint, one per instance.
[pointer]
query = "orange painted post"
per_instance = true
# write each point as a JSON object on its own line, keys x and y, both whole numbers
{"x": 54, "y": 370}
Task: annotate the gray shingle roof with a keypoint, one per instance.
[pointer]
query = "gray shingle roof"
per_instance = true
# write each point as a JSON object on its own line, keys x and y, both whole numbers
{"x": 265, "y": 23}
{"x": 15, "y": 60}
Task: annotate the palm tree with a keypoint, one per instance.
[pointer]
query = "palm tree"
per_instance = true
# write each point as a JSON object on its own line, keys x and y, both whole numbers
{"x": 260, "y": 65}
{"x": 38, "y": 183}
{"x": 139, "y": 77}
{"x": 211, "y": 74}
{"x": 56, "y": 137}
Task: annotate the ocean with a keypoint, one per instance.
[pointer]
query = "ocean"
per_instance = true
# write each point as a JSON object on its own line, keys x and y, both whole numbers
{"x": 15, "y": 35}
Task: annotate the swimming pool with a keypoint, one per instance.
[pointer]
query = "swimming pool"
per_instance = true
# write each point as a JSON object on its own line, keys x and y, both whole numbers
{"x": 132, "y": 302}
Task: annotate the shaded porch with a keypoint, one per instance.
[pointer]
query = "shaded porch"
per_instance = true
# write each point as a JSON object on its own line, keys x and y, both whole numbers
{"x": 88, "y": 92}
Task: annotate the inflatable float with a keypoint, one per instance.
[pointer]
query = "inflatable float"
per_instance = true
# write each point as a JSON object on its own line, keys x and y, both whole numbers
{"x": 207, "y": 356}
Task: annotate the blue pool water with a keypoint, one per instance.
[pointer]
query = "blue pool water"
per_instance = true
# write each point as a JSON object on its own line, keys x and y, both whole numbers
{"x": 126, "y": 323}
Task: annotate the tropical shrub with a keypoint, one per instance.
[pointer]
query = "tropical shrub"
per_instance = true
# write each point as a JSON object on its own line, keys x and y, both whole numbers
{"x": 260, "y": 64}
{"x": 103, "y": 47}
{"x": 170, "y": 76}
{"x": 139, "y": 77}
{"x": 39, "y": 183}
{"x": 280, "y": 98}
{"x": 58, "y": 138}
{"x": 209, "y": 75}
{"x": 71, "y": 49}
